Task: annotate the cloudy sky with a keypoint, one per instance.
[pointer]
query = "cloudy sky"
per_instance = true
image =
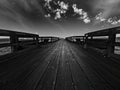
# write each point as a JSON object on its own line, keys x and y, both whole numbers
{"x": 59, "y": 17}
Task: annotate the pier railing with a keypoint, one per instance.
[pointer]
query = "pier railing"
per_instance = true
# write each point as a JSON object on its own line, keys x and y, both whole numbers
{"x": 17, "y": 40}
{"x": 48, "y": 39}
{"x": 76, "y": 39}
{"x": 107, "y": 40}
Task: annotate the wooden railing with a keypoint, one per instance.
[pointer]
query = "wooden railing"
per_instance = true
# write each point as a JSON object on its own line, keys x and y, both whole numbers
{"x": 76, "y": 39}
{"x": 100, "y": 40}
{"x": 103, "y": 39}
{"x": 48, "y": 39}
{"x": 18, "y": 39}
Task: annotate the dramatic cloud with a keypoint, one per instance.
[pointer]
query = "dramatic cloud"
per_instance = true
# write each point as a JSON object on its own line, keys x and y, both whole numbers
{"x": 82, "y": 13}
{"x": 59, "y": 13}
{"x": 63, "y": 9}
{"x": 37, "y": 10}
{"x": 108, "y": 7}
{"x": 113, "y": 21}
{"x": 56, "y": 8}
{"x": 100, "y": 18}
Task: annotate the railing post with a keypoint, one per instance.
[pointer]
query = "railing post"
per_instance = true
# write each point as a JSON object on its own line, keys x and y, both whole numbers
{"x": 14, "y": 40}
{"x": 37, "y": 40}
{"x": 42, "y": 39}
{"x": 111, "y": 42}
{"x": 86, "y": 39}
{"x": 91, "y": 37}
{"x": 50, "y": 39}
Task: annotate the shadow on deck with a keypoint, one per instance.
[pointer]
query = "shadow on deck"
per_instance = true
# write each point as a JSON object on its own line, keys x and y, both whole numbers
{"x": 51, "y": 63}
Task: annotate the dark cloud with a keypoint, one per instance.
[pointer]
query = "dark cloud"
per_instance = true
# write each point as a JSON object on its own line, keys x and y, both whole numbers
{"x": 29, "y": 10}
{"x": 107, "y": 7}
{"x": 34, "y": 15}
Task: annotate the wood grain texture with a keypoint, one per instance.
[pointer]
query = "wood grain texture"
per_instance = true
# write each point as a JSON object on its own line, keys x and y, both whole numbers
{"x": 59, "y": 66}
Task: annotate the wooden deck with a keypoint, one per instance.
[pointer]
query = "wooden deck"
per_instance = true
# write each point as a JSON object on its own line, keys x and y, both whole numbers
{"x": 58, "y": 66}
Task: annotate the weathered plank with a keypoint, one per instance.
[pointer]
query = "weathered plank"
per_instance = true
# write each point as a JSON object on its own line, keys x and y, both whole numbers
{"x": 59, "y": 66}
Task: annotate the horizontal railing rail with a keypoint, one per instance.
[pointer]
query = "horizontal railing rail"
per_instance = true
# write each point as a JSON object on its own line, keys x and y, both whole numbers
{"x": 46, "y": 39}
{"x": 14, "y": 41}
{"x": 103, "y": 43}
{"x": 104, "y": 40}
{"x": 76, "y": 39}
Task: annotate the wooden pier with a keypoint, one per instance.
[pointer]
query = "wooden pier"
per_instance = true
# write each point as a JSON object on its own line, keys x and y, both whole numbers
{"x": 51, "y": 63}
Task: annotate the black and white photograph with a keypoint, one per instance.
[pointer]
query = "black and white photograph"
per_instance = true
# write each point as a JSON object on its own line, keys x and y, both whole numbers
{"x": 59, "y": 44}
